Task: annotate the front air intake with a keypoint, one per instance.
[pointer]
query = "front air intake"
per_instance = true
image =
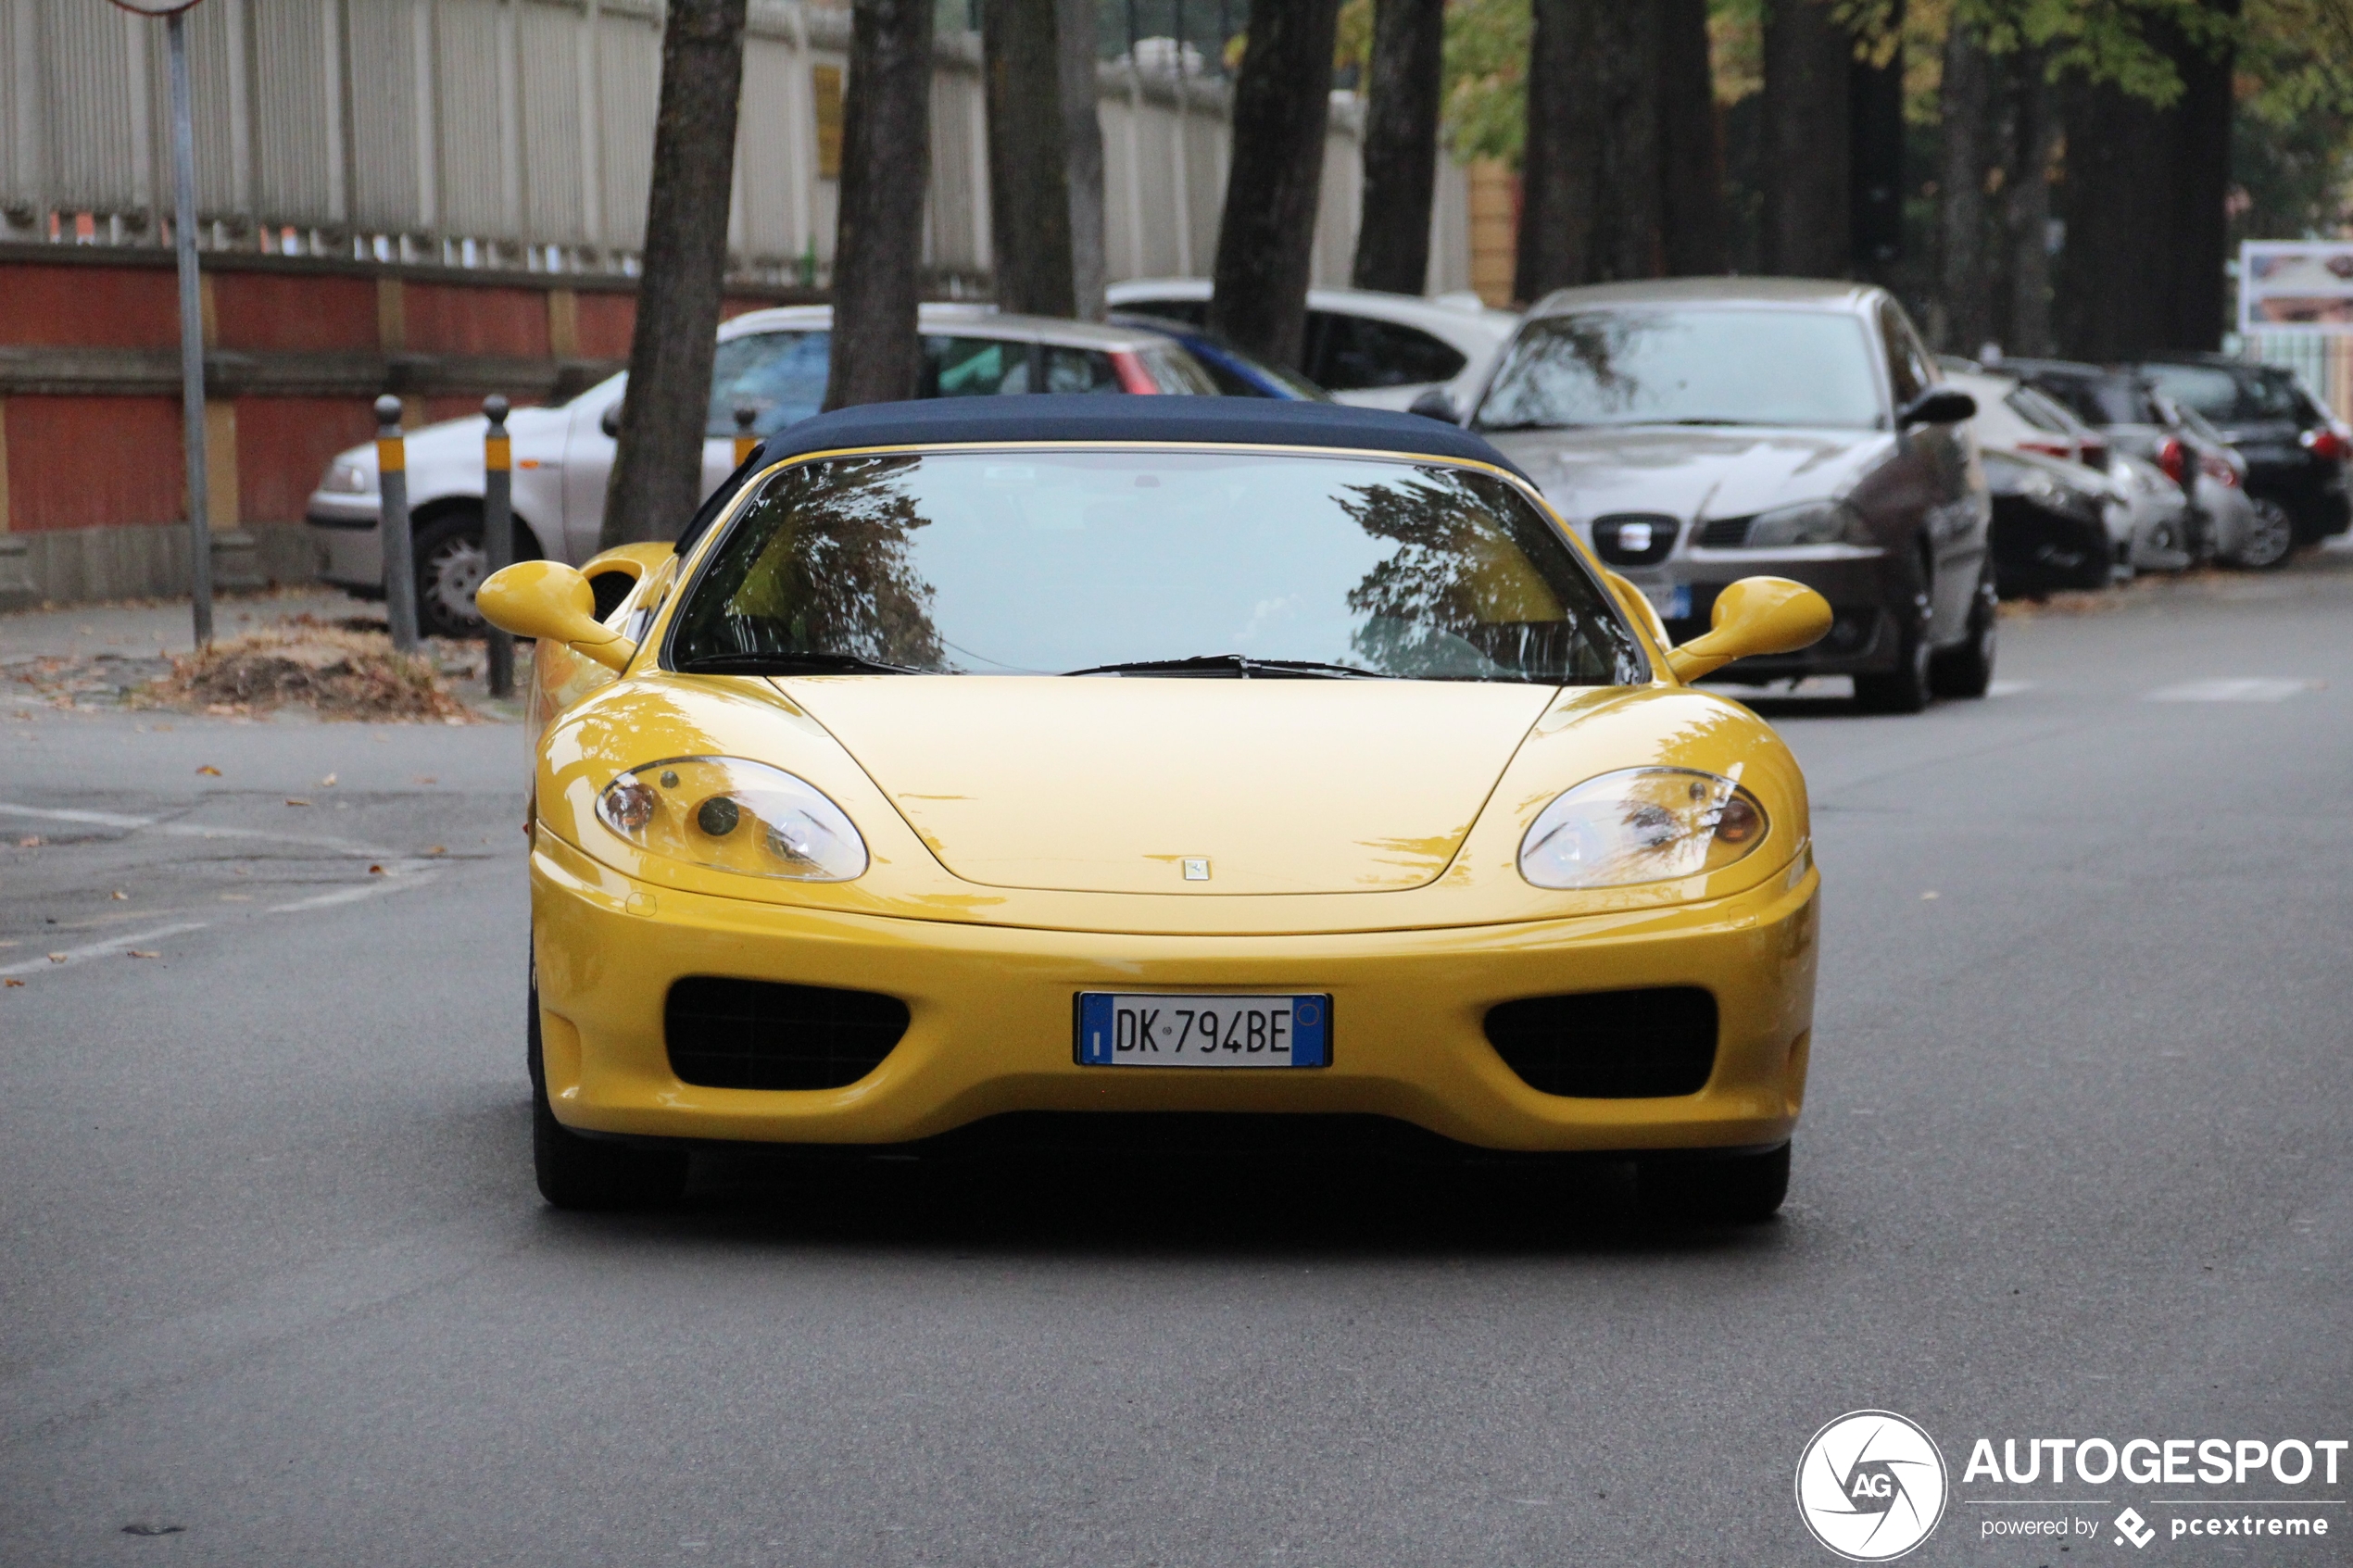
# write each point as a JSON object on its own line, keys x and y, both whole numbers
{"x": 759, "y": 1034}
{"x": 1609, "y": 1044}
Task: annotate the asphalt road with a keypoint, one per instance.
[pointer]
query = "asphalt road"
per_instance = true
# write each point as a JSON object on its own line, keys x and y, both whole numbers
{"x": 2077, "y": 1162}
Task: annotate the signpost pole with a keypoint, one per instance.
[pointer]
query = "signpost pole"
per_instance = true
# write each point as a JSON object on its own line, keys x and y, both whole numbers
{"x": 184, "y": 233}
{"x": 399, "y": 563}
{"x": 499, "y": 532}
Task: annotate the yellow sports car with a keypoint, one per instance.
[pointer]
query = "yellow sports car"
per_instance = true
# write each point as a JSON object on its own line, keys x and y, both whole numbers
{"x": 1085, "y": 757}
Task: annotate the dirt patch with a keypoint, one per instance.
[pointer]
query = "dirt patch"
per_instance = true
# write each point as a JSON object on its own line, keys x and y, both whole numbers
{"x": 339, "y": 672}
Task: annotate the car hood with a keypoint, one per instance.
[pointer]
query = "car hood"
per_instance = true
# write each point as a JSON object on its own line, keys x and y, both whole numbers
{"x": 1110, "y": 785}
{"x": 1691, "y": 472}
{"x": 460, "y": 439}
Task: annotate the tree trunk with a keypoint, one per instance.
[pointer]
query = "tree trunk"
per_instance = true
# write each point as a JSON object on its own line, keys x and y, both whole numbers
{"x": 1691, "y": 144}
{"x": 2200, "y": 298}
{"x": 886, "y": 163}
{"x": 1967, "y": 114}
{"x": 2027, "y": 192}
{"x": 1266, "y": 238}
{"x": 1401, "y": 146}
{"x": 657, "y": 471}
{"x": 1028, "y": 158}
{"x": 1083, "y": 137}
{"x": 1875, "y": 107}
{"x": 1620, "y": 131}
{"x": 1556, "y": 170}
{"x": 1807, "y": 59}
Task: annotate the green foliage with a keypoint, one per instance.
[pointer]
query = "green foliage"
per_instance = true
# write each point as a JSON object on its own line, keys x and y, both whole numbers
{"x": 1486, "y": 102}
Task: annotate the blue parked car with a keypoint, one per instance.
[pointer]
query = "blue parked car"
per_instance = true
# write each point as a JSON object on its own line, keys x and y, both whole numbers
{"x": 1236, "y": 373}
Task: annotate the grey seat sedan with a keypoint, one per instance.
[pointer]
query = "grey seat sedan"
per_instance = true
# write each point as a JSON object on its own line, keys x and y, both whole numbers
{"x": 1699, "y": 431}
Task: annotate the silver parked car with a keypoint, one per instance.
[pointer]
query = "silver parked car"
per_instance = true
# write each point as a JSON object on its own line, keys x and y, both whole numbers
{"x": 1699, "y": 431}
{"x": 771, "y": 361}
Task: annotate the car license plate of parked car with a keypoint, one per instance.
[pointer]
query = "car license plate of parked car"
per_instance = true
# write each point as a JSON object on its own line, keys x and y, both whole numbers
{"x": 1672, "y": 600}
{"x": 1124, "y": 1029}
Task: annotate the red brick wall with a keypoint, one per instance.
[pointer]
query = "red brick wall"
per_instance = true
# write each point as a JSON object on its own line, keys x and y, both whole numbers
{"x": 606, "y": 322}
{"x": 279, "y": 311}
{"x": 85, "y": 462}
{"x": 282, "y": 447}
{"x": 90, "y": 307}
{"x": 472, "y": 319}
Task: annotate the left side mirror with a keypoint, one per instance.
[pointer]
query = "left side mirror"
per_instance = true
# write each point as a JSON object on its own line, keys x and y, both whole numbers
{"x": 1937, "y": 405}
{"x": 1436, "y": 404}
{"x": 547, "y": 599}
{"x": 1756, "y": 615}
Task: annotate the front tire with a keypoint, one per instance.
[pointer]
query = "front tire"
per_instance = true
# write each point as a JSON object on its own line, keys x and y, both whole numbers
{"x": 592, "y": 1173}
{"x": 1966, "y": 670}
{"x": 1904, "y": 689}
{"x": 1734, "y": 1189}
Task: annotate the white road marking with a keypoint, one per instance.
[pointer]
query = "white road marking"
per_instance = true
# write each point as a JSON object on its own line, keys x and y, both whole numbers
{"x": 192, "y": 830}
{"x": 100, "y": 949}
{"x": 2244, "y": 688}
{"x": 368, "y": 889}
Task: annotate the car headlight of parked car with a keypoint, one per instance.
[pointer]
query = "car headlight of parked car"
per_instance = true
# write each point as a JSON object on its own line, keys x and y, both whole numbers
{"x": 347, "y": 479}
{"x": 1641, "y": 824}
{"x": 734, "y": 816}
{"x": 1813, "y": 522}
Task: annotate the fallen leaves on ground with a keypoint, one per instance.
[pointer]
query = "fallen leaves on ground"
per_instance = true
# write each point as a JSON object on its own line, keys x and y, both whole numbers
{"x": 144, "y": 953}
{"x": 327, "y": 783}
{"x": 56, "y": 957}
{"x": 30, "y": 841}
{"x": 118, "y": 893}
{"x": 375, "y": 871}
{"x": 340, "y": 673}
{"x": 209, "y": 771}
{"x": 13, "y": 984}
{"x": 297, "y": 800}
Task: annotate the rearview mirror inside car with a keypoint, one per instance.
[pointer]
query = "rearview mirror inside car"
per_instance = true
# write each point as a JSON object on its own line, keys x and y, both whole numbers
{"x": 548, "y": 599}
{"x": 1436, "y": 404}
{"x": 1756, "y": 615}
{"x": 1937, "y": 405}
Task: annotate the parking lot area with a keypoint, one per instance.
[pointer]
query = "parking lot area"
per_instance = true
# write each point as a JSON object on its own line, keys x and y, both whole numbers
{"x": 2075, "y": 1161}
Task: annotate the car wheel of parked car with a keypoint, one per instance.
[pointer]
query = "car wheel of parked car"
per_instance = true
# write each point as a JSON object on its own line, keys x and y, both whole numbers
{"x": 577, "y": 1173}
{"x": 2269, "y": 542}
{"x": 1968, "y": 669}
{"x": 450, "y": 566}
{"x": 1740, "y": 1189}
{"x": 1904, "y": 689}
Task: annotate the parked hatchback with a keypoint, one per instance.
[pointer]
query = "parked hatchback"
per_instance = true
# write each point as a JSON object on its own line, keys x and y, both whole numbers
{"x": 771, "y": 361}
{"x": 2295, "y": 453}
{"x": 1699, "y": 431}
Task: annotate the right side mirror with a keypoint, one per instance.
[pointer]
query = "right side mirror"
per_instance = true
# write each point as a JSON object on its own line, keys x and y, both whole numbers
{"x": 547, "y": 599}
{"x": 1756, "y": 615}
{"x": 1436, "y": 404}
{"x": 1937, "y": 405}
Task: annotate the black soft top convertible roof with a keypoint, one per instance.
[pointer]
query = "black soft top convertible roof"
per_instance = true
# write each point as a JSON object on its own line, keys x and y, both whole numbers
{"x": 1094, "y": 417}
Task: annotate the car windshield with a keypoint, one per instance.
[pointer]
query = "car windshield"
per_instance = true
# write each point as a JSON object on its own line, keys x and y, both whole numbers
{"x": 1685, "y": 365}
{"x": 1150, "y": 562}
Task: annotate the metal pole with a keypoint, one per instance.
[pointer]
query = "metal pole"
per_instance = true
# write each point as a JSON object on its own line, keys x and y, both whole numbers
{"x": 183, "y": 234}
{"x": 499, "y": 531}
{"x": 746, "y": 442}
{"x": 399, "y": 564}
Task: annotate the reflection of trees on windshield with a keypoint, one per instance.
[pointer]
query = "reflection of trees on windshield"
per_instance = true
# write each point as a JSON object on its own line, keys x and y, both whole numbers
{"x": 1570, "y": 369}
{"x": 1460, "y": 595}
{"x": 834, "y": 573}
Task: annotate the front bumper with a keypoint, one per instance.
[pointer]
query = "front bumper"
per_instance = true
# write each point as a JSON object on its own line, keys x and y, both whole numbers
{"x": 1868, "y": 595}
{"x": 347, "y": 537}
{"x": 991, "y": 1030}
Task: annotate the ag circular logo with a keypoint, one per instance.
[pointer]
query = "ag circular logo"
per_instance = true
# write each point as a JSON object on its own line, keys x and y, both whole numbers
{"x": 1871, "y": 1485}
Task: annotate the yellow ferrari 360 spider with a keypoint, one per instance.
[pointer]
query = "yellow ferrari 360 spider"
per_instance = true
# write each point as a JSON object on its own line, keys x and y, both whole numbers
{"x": 1088, "y": 757}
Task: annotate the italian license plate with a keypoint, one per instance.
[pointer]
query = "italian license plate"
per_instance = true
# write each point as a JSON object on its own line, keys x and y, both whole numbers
{"x": 1121, "y": 1029}
{"x": 1672, "y": 600}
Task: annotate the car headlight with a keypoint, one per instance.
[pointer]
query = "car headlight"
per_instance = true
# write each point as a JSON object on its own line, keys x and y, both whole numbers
{"x": 347, "y": 479}
{"x": 1814, "y": 522}
{"x": 1641, "y": 824}
{"x": 734, "y": 816}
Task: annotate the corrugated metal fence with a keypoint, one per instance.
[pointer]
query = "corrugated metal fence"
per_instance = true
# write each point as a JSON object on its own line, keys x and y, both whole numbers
{"x": 519, "y": 133}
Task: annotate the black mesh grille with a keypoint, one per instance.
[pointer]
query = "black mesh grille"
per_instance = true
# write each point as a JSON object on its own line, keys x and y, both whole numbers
{"x": 1725, "y": 533}
{"x": 758, "y": 1035}
{"x": 1609, "y": 1044}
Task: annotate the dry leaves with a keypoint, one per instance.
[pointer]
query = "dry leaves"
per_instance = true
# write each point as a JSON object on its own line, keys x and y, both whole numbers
{"x": 209, "y": 771}
{"x": 297, "y": 800}
{"x": 340, "y": 673}
{"x": 13, "y": 984}
{"x": 56, "y": 957}
{"x": 30, "y": 841}
{"x": 375, "y": 871}
{"x": 143, "y": 953}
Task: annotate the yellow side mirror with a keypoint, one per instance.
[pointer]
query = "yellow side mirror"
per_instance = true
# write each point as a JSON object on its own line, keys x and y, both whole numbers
{"x": 1755, "y": 615}
{"x": 547, "y": 599}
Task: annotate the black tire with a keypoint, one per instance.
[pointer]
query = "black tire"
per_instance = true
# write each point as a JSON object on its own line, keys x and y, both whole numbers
{"x": 1966, "y": 669}
{"x": 592, "y": 1173}
{"x": 1904, "y": 689}
{"x": 2269, "y": 544}
{"x": 1733, "y": 1189}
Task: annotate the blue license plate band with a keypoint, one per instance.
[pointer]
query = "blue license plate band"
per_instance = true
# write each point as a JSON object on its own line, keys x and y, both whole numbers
{"x": 1120, "y": 1029}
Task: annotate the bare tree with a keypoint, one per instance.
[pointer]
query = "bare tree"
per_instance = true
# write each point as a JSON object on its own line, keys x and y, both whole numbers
{"x": 1083, "y": 134}
{"x": 1808, "y": 55}
{"x": 657, "y": 473}
{"x": 1266, "y": 238}
{"x": 886, "y": 163}
{"x": 1028, "y": 161}
{"x": 1400, "y": 145}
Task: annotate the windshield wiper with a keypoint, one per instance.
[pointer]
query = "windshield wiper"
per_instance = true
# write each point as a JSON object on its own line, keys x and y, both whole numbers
{"x": 1238, "y": 666}
{"x": 795, "y": 664}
